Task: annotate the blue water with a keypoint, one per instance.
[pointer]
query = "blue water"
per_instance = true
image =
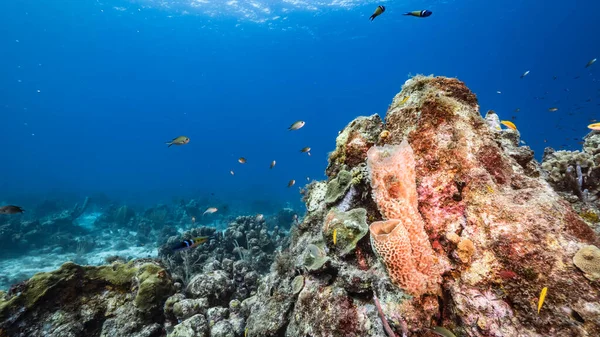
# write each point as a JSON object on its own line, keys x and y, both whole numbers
{"x": 117, "y": 79}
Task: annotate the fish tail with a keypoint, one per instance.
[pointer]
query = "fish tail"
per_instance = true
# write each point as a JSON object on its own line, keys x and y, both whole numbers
{"x": 169, "y": 143}
{"x": 372, "y": 17}
{"x": 407, "y": 13}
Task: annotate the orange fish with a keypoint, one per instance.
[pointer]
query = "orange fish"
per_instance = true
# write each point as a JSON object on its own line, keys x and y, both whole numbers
{"x": 595, "y": 126}
{"x": 509, "y": 124}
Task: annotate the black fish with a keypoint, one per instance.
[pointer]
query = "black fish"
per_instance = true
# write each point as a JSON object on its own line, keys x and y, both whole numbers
{"x": 10, "y": 209}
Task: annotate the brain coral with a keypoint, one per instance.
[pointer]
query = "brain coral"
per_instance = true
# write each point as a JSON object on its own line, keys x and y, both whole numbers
{"x": 588, "y": 260}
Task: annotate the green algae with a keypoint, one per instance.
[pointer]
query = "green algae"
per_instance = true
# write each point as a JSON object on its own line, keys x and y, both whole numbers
{"x": 337, "y": 187}
{"x": 73, "y": 277}
{"x": 152, "y": 287}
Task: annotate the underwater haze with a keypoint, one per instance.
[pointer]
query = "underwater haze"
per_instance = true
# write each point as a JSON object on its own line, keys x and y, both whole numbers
{"x": 91, "y": 90}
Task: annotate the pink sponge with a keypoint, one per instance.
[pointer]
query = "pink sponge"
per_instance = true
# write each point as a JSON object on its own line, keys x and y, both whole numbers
{"x": 401, "y": 242}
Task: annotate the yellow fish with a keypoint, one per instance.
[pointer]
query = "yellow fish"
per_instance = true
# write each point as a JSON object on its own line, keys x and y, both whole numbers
{"x": 509, "y": 124}
{"x": 246, "y": 332}
{"x": 489, "y": 188}
{"x": 335, "y": 236}
{"x": 542, "y": 297}
{"x": 595, "y": 126}
{"x": 404, "y": 100}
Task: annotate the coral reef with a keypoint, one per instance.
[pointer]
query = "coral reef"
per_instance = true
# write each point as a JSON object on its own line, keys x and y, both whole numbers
{"x": 458, "y": 198}
{"x": 437, "y": 219}
{"x": 575, "y": 175}
{"x": 114, "y": 300}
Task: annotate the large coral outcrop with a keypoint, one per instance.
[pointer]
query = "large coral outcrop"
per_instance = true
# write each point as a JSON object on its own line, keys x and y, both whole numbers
{"x": 497, "y": 231}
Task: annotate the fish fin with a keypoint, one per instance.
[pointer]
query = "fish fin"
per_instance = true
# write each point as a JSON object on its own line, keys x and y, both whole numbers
{"x": 372, "y": 17}
{"x": 407, "y": 13}
{"x": 169, "y": 143}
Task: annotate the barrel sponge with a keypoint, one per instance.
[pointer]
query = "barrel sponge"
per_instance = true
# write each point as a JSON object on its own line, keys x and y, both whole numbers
{"x": 391, "y": 241}
{"x": 393, "y": 179}
{"x": 401, "y": 242}
{"x": 588, "y": 260}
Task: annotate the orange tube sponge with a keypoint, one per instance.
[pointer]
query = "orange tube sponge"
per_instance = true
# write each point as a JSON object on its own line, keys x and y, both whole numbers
{"x": 401, "y": 242}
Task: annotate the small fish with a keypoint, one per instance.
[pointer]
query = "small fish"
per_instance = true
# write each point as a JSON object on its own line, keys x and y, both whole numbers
{"x": 297, "y": 125}
{"x": 525, "y": 74}
{"x": 242, "y": 160}
{"x": 420, "y": 14}
{"x": 443, "y": 331}
{"x": 489, "y": 188}
{"x": 210, "y": 210}
{"x": 246, "y": 332}
{"x": 307, "y": 178}
{"x": 553, "y": 109}
{"x": 260, "y": 217}
{"x": 517, "y": 110}
{"x": 509, "y": 124}
{"x": 592, "y": 61}
{"x": 306, "y": 150}
{"x": 335, "y": 236}
{"x": 542, "y": 297}
{"x": 181, "y": 140}
{"x": 498, "y": 92}
{"x": 291, "y": 183}
{"x": 573, "y": 314}
{"x": 232, "y": 173}
{"x": 187, "y": 244}
{"x": 378, "y": 11}
{"x": 595, "y": 126}
{"x": 11, "y": 209}
{"x": 272, "y": 164}
{"x": 404, "y": 100}
{"x": 193, "y": 219}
